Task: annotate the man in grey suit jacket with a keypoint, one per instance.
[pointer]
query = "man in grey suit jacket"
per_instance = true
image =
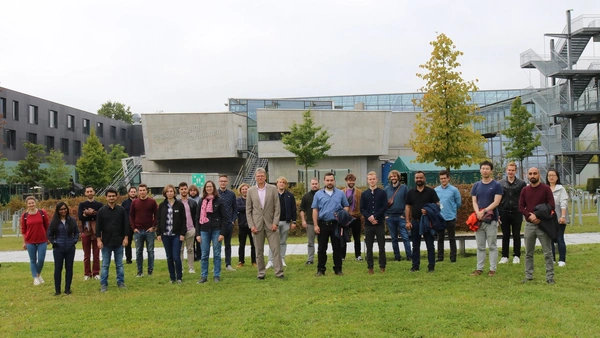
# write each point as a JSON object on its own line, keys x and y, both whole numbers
{"x": 262, "y": 211}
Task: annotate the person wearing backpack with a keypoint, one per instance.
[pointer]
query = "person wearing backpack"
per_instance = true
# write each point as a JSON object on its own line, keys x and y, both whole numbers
{"x": 34, "y": 225}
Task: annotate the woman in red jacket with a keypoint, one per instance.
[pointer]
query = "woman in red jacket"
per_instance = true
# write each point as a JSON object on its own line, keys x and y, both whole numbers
{"x": 34, "y": 225}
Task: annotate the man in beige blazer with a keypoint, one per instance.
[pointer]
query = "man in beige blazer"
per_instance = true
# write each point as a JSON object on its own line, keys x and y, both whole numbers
{"x": 262, "y": 211}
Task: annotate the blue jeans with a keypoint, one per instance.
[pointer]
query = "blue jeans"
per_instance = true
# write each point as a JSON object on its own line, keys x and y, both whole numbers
{"x": 37, "y": 256}
{"x": 560, "y": 242}
{"x": 106, "y": 253}
{"x": 416, "y": 259}
{"x": 173, "y": 250}
{"x": 139, "y": 238}
{"x": 227, "y": 239}
{"x": 397, "y": 226}
{"x": 207, "y": 237}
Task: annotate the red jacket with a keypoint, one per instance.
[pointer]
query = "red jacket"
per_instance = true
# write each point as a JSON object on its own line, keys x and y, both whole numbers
{"x": 35, "y": 227}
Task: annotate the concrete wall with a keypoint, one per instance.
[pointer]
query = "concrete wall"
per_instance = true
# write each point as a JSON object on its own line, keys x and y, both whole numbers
{"x": 169, "y": 136}
{"x": 400, "y": 129}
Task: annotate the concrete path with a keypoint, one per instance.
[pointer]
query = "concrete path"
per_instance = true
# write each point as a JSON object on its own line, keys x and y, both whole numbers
{"x": 292, "y": 249}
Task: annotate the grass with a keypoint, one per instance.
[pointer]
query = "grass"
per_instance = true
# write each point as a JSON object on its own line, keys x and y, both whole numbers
{"x": 446, "y": 303}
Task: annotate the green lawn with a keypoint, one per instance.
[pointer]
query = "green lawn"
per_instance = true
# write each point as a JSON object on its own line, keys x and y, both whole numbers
{"x": 447, "y": 303}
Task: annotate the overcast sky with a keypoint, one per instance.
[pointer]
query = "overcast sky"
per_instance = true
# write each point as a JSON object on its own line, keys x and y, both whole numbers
{"x": 190, "y": 56}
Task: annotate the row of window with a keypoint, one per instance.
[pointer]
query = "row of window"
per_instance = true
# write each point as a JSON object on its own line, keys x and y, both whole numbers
{"x": 53, "y": 120}
{"x": 11, "y": 142}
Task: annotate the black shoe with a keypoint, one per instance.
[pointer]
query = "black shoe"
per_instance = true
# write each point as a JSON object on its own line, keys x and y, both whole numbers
{"x": 281, "y": 277}
{"x": 260, "y": 277}
{"x": 439, "y": 260}
{"x": 202, "y": 280}
{"x": 414, "y": 269}
{"x": 309, "y": 263}
{"x": 57, "y": 293}
{"x": 320, "y": 273}
{"x": 526, "y": 280}
{"x": 452, "y": 260}
{"x": 430, "y": 270}
{"x": 121, "y": 286}
{"x": 397, "y": 259}
{"x": 217, "y": 279}
{"x": 339, "y": 273}
{"x": 550, "y": 281}
{"x": 67, "y": 292}
{"x": 128, "y": 261}
{"x": 149, "y": 272}
{"x": 103, "y": 288}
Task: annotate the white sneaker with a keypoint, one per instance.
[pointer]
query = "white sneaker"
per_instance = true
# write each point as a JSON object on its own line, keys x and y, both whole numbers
{"x": 36, "y": 281}
{"x": 86, "y": 278}
{"x": 561, "y": 263}
{"x": 504, "y": 260}
{"x": 283, "y": 263}
{"x": 269, "y": 265}
{"x": 41, "y": 279}
{"x": 516, "y": 260}
{"x": 192, "y": 271}
{"x": 97, "y": 277}
{"x": 359, "y": 258}
{"x": 229, "y": 268}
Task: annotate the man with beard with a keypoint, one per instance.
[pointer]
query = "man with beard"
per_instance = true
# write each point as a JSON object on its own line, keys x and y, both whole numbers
{"x": 353, "y": 195}
{"x": 395, "y": 217}
{"x": 486, "y": 195}
{"x": 415, "y": 201}
{"x": 510, "y": 215}
{"x": 87, "y": 212}
{"x": 325, "y": 204}
{"x": 307, "y": 221}
{"x": 126, "y": 204}
{"x": 532, "y": 195}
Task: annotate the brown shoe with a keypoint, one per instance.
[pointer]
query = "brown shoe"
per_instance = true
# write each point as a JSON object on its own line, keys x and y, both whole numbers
{"x": 491, "y": 273}
{"x": 240, "y": 264}
{"x": 371, "y": 271}
{"x": 382, "y": 270}
{"x": 254, "y": 264}
{"x": 476, "y": 273}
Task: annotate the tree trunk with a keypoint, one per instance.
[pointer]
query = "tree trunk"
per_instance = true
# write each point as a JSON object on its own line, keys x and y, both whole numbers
{"x": 305, "y": 179}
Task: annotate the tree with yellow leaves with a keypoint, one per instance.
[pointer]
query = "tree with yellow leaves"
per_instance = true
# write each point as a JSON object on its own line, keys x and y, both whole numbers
{"x": 444, "y": 132}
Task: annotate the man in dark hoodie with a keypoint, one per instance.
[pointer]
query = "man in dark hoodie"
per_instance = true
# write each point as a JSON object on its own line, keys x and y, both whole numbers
{"x": 532, "y": 195}
{"x": 509, "y": 213}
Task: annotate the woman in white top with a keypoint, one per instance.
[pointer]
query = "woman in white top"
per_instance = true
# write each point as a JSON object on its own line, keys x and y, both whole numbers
{"x": 561, "y": 200}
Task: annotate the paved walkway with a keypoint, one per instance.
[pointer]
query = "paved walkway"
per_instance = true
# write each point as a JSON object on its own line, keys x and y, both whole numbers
{"x": 292, "y": 249}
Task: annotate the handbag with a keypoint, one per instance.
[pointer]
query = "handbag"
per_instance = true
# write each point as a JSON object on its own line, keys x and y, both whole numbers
{"x": 390, "y": 201}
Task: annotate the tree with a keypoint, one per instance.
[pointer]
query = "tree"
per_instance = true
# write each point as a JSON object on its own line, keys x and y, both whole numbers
{"x": 117, "y": 111}
{"x": 444, "y": 133}
{"x": 28, "y": 170}
{"x": 58, "y": 174}
{"x": 308, "y": 142}
{"x": 520, "y": 131}
{"x": 116, "y": 154}
{"x": 93, "y": 165}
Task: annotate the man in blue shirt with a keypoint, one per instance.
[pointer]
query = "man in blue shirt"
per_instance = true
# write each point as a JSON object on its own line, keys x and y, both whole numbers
{"x": 450, "y": 202}
{"x": 228, "y": 197}
{"x": 325, "y": 204}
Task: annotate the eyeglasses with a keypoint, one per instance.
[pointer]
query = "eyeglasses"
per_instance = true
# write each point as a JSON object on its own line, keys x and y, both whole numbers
{"x": 63, "y": 209}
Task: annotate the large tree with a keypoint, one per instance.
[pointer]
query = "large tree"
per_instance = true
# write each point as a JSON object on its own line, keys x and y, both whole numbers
{"x": 28, "y": 170}
{"x": 117, "y": 111}
{"x": 308, "y": 142}
{"x": 116, "y": 154}
{"x": 520, "y": 131}
{"x": 93, "y": 165}
{"x": 444, "y": 132}
{"x": 58, "y": 174}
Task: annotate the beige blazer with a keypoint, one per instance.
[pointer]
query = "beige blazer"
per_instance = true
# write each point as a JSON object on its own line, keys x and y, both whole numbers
{"x": 258, "y": 216}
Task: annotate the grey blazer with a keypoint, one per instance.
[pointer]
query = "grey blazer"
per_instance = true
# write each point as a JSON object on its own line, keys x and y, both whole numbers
{"x": 258, "y": 216}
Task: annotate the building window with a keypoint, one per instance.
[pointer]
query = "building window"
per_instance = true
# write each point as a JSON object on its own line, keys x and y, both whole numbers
{"x": 271, "y": 136}
{"x": 113, "y": 132}
{"x": 100, "y": 129}
{"x": 123, "y": 134}
{"x": 70, "y": 122}
{"x": 33, "y": 114}
{"x": 16, "y": 110}
{"x": 32, "y": 138}
{"x": 3, "y": 107}
{"x": 77, "y": 148}
{"x": 49, "y": 143}
{"x": 64, "y": 146}
{"x": 53, "y": 118}
{"x": 86, "y": 126}
{"x": 11, "y": 139}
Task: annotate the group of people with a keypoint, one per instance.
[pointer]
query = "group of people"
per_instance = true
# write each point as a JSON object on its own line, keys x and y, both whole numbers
{"x": 194, "y": 221}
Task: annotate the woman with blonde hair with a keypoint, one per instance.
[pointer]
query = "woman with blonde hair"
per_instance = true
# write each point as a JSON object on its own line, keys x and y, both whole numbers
{"x": 34, "y": 226}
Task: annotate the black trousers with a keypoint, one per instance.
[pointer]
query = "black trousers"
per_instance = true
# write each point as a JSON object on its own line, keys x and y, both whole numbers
{"x": 243, "y": 233}
{"x": 327, "y": 233}
{"x": 355, "y": 227}
{"x": 511, "y": 223}
{"x": 128, "y": 247}
{"x": 372, "y": 231}
{"x": 451, "y": 229}
{"x": 63, "y": 257}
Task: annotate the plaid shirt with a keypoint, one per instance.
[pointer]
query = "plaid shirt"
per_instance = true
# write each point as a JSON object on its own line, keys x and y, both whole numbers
{"x": 228, "y": 197}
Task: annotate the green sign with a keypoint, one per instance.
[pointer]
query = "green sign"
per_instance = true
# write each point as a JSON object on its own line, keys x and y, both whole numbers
{"x": 198, "y": 180}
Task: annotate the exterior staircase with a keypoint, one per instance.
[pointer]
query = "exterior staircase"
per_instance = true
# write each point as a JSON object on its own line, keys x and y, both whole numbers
{"x": 131, "y": 167}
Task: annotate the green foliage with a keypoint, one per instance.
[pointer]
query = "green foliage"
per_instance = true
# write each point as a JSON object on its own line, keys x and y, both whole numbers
{"x": 116, "y": 154}
{"x": 3, "y": 171}
{"x": 117, "y": 111}
{"x": 520, "y": 131}
{"x": 28, "y": 170}
{"x": 94, "y": 163}
{"x": 58, "y": 174}
{"x": 443, "y": 133}
{"x": 308, "y": 142}
{"x": 592, "y": 185}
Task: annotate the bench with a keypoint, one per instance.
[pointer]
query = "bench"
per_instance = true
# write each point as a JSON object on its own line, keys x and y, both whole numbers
{"x": 461, "y": 238}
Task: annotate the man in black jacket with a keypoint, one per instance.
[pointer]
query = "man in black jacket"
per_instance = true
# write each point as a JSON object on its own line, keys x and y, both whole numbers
{"x": 112, "y": 227}
{"x": 510, "y": 216}
{"x": 287, "y": 218}
{"x": 373, "y": 204}
{"x": 126, "y": 204}
{"x": 191, "y": 215}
